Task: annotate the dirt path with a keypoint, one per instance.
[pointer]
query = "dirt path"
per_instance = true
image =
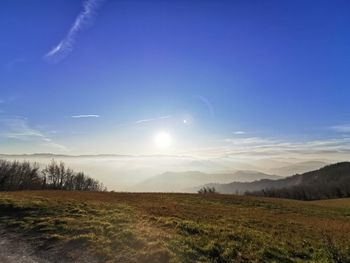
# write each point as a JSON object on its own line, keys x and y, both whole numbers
{"x": 18, "y": 248}
{"x": 13, "y": 249}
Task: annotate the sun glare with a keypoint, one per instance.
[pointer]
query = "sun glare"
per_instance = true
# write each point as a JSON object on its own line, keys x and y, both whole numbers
{"x": 162, "y": 140}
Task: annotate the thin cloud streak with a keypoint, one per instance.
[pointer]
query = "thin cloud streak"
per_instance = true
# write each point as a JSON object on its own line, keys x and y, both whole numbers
{"x": 86, "y": 116}
{"x": 256, "y": 147}
{"x": 18, "y": 128}
{"x": 65, "y": 46}
{"x": 144, "y": 121}
{"x": 207, "y": 103}
{"x": 343, "y": 128}
{"x": 152, "y": 119}
{"x": 239, "y": 133}
{"x": 14, "y": 62}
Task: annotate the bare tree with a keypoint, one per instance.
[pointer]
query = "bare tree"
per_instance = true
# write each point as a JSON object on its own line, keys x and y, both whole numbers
{"x": 27, "y": 176}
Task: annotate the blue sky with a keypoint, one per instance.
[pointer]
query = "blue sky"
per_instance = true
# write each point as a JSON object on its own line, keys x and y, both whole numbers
{"x": 107, "y": 76}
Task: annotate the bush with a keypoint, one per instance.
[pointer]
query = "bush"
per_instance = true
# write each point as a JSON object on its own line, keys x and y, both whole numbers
{"x": 207, "y": 190}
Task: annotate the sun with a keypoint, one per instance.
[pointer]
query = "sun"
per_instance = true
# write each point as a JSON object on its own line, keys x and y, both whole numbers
{"x": 162, "y": 140}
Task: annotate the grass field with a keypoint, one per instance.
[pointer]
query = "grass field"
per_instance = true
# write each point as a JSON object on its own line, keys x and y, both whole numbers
{"x": 126, "y": 227}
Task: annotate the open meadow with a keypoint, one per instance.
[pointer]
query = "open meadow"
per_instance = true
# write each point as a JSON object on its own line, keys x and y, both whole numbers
{"x": 154, "y": 227}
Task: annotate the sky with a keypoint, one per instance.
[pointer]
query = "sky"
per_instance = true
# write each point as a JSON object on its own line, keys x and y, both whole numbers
{"x": 229, "y": 79}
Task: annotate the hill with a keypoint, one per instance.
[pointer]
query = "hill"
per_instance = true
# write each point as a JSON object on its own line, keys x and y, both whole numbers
{"x": 63, "y": 226}
{"x": 180, "y": 181}
{"x": 332, "y": 181}
{"x": 243, "y": 187}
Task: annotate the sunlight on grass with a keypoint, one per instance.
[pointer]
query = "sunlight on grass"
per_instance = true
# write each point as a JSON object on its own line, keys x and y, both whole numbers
{"x": 181, "y": 228}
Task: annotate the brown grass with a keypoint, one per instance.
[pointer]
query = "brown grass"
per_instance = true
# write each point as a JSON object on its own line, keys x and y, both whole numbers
{"x": 146, "y": 227}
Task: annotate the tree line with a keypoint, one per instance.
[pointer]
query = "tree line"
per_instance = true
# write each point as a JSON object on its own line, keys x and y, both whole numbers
{"x": 332, "y": 181}
{"x": 301, "y": 192}
{"x": 15, "y": 175}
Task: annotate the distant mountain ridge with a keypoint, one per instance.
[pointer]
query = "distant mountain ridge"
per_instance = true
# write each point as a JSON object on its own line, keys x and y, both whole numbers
{"x": 180, "y": 181}
{"x": 53, "y": 155}
{"x": 331, "y": 181}
{"x": 297, "y": 168}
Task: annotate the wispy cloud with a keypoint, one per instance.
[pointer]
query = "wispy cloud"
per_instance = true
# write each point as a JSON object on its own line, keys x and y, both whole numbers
{"x": 9, "y": 99}
{"x": 143, "y": 121}
{"x": 239, "y": 132}
{"x": 86, "y": 116}
{"x": 342, "y": 128}
{"x": 207, "y": 103}
{"x": 65, "y": 46}
{"x": 17, "y": 128}
{"x": 152, "y": 119}
{"x": 14, "y": 62}
{"x": 256, "y": 147}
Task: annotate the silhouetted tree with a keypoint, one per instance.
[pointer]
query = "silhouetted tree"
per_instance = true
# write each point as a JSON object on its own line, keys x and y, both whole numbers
{"x": 27, "y": 176}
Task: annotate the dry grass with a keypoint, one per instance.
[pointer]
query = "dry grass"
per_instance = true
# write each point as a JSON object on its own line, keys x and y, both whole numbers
{"x": 125, "y": 227}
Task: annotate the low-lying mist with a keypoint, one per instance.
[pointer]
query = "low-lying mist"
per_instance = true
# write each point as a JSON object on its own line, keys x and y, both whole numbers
{"x": 128, "y": 173}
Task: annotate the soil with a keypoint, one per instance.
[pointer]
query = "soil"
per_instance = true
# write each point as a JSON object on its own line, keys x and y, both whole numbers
{"x": 19, "y": 248}
{"x": 14, "y": 249}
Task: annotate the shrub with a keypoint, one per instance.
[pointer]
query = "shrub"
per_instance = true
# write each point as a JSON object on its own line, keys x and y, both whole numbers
{"x": 207, "y": 190}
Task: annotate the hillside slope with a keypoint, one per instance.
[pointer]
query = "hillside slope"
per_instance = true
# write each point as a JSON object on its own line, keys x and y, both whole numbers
{"x": 131, "y": 227}
{"x": 180, "y": 181}
{"x": 332, "y": 181}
